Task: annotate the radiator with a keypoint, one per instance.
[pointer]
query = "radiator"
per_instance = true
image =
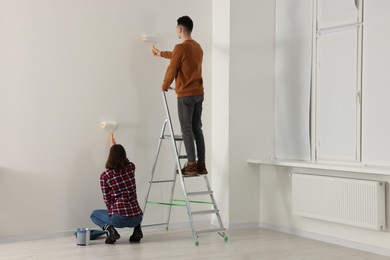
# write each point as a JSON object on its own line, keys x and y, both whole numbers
{"x": 341, "y": 200}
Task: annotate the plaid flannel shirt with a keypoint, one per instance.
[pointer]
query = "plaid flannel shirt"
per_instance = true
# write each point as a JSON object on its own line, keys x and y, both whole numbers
{"x": 119, "y": 191}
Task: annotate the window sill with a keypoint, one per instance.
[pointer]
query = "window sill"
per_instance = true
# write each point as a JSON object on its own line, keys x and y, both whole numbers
{"x": 380, "y": 170}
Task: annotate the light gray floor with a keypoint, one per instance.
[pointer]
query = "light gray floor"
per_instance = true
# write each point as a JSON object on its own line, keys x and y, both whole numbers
{"x": 178, "y": 244}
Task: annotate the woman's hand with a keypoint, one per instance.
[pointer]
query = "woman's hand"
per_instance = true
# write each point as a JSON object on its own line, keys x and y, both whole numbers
{"x": 112, "y": 139}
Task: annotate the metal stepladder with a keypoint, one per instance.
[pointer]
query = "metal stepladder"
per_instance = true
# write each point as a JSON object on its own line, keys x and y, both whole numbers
{"x": 177, "y": 141}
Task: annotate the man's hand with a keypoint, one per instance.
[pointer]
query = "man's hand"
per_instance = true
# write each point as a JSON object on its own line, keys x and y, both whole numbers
{"x": 156, "y": 52}
{"x": 166, "y": 90}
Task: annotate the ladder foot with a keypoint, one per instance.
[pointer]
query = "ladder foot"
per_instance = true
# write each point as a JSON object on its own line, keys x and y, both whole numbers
{"x": 197, "y": 242}
{"x": 225, "y": 238}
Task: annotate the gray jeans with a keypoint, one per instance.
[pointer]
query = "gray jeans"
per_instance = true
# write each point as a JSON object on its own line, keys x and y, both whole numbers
{"x": 190, "y": 116}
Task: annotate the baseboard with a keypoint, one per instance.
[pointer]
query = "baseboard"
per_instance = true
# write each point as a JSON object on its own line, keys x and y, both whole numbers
{"x": 235, "y": 225}
{"x": 243, "y": 225}
{"x": 327, "y": 239}
{"x": 214, "y": 222}
{"x": 41, "y": 236}
{"x": 35, "y": 236}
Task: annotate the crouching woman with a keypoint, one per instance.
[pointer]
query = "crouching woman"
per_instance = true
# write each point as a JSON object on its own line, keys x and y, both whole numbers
{"x": 120, "y": 196}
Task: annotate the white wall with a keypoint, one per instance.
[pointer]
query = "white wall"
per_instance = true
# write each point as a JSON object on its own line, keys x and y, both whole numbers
{"x": 292, "y": 79}
{"x": 220, "y": 106}
{"x": 251, "y": 102}
{"x": 64, "y": 67}
{"x": 67, "y": 65}
{"x": 376, "y": 81}
{"x": 243, "y": 112}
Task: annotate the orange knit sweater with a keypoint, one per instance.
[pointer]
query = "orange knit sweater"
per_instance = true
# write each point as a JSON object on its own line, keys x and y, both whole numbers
{"x": 186, "y": 68}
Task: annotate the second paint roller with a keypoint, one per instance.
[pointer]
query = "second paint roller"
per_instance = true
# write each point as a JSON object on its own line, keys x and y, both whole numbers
{"x": 111, "y": 126}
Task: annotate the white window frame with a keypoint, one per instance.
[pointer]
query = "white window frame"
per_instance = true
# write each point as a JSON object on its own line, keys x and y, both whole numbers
{"x": 316, "y": 33}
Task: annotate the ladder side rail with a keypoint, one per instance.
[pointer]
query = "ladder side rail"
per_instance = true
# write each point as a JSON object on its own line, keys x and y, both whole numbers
{"x": 179, "y": 165}
{"x": 155, "y": 163}
{"x": 173, "y": 188}
{"x": 214, "y": 203}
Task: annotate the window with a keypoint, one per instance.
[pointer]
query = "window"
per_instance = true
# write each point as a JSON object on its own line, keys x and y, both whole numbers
{"x": 336, "y": 81}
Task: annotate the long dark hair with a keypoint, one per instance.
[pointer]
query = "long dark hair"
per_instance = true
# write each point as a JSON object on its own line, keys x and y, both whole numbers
{"x": 117, "y": 158}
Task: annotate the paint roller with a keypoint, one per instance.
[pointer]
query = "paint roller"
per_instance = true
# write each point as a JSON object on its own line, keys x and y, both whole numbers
{"x": 149, "y": 38}
{"x": 111, "y": 126}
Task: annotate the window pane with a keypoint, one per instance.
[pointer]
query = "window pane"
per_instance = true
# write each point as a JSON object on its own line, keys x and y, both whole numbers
{"x": 292, "y": 78}
{"x": 336, "y": 96}
{"x": 336, "y": 12}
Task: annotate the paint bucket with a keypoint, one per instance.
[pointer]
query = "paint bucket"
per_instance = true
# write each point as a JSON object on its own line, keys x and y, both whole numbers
{"x": 83, "y": 236}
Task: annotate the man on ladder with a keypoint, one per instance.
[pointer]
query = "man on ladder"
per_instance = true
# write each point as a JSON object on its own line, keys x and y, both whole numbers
{"x": 186, "y": 68}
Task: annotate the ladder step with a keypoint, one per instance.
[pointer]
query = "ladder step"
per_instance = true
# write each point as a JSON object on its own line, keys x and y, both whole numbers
{"x": 201, "y": 212}
{"x": 194, "y": 201}
{"x": 199, "y": 193}
{"x": 183, "y": 157}
{"x": 161, "y": 181}
{"x": 165, "y": 203}
{"x": 210, "y": 230}
{"x": 191, "y": 176}
{"x": 177, "y": 137}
